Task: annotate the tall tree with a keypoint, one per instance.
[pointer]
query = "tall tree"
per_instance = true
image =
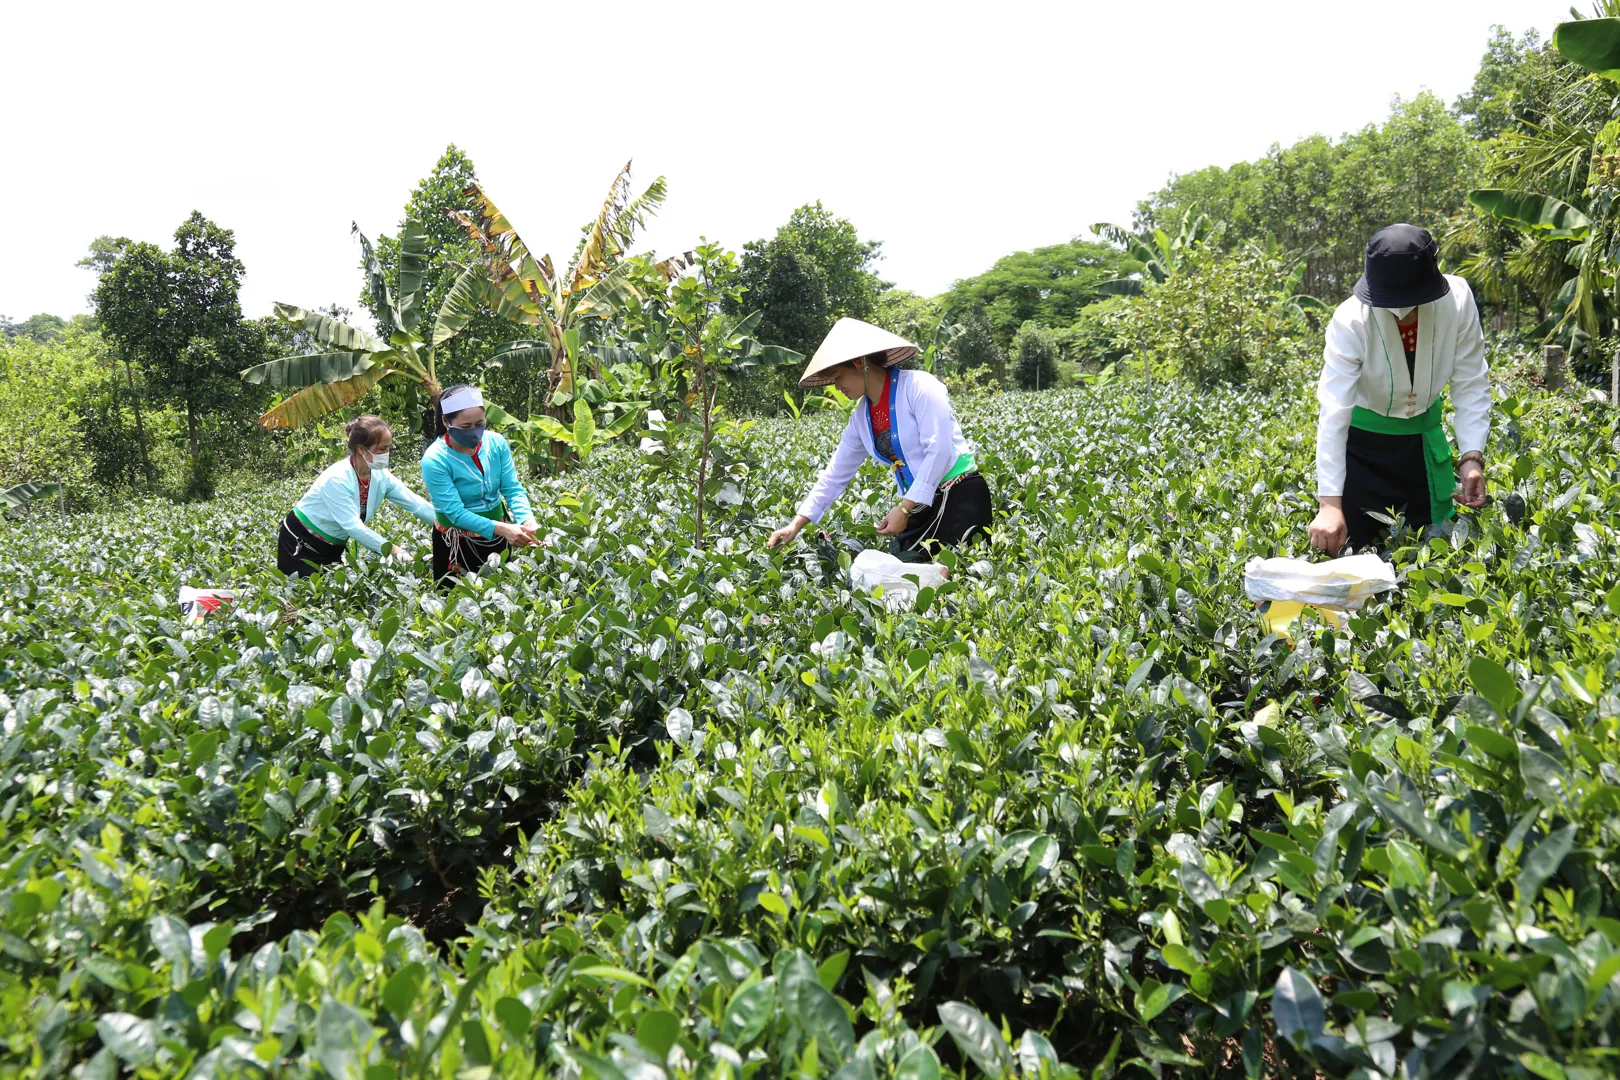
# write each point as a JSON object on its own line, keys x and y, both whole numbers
{"x": 976, "y": 347}
{"x": 1036, "y": 351}
{"x": 1506, "y": 90}
{"x": 813, "y": 272}
{"x": 176, "y": 314}
{"x": 446, "y": 251}
{"x": 104, "y": 253}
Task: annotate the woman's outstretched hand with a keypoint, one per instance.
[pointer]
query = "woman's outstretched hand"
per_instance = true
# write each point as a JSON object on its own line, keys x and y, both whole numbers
{"x": 1472, "y": 475}
{"x": 893, "y": 522}
{"x": 788, "y": 533}
{"x": 514, "y": 535}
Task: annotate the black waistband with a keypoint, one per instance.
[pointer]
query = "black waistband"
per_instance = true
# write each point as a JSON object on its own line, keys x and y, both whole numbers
{"x": 301, "y": 533}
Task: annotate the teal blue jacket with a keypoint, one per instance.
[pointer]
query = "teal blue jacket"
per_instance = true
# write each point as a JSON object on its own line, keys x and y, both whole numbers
{"x": 465, "y": 488}
{"x": 331, "y": 506}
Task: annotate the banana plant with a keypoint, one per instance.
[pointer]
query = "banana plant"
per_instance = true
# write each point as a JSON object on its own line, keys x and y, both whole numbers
{"x": 527, "y": 289}
{"x": 1161, "y": 253}
{"x": 323, "y": 383}
{"x": 1592, "y": 43}
{"x": 19, "y": 496}
{"x": 1587, "y": 300}
{"x": 946, "y": 330}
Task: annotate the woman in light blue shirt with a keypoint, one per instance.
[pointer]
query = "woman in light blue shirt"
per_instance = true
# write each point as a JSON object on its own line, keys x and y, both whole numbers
{"x": 481, "y": 507}
{"x": 342, "y": 500}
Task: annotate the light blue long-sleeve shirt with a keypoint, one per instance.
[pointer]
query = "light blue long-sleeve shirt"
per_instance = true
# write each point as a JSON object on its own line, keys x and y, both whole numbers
{"x": 464, "y": 487}
{"x": 331, "y": 506}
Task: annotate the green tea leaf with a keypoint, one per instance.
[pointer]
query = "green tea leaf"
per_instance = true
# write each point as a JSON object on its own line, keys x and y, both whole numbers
{"x": 976, "y": 1037}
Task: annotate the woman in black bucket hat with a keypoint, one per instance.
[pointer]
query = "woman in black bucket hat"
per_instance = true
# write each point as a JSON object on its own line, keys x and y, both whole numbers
{"x": 1391, "y": 351}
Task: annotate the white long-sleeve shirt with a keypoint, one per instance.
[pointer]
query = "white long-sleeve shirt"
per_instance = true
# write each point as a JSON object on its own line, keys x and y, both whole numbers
{"x": 931, "y": 441}
{"x": 1364, "y": 364}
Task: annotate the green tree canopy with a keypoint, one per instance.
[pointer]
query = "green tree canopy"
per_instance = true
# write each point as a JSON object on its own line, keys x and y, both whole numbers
{"x": 448, "y": 250}
{"x": 1050, "y": 284}
{"x": 176, "y": 315}
{"x": 1036, "y": 353}
{"x": 977, "y": 347}
{"x": 42, "y": 328}
{"x": 1327, "y": 198}
{"x": 814, "y": 271}
{"x": 912, "y": 316}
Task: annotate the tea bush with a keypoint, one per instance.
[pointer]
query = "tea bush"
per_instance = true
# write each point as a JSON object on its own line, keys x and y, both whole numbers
{"x": 629, "y": 807}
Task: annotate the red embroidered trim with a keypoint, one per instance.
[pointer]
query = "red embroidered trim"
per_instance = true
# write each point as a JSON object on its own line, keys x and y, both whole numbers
{"x": 1409, "y": 333}
{"x": 880, "y": 408}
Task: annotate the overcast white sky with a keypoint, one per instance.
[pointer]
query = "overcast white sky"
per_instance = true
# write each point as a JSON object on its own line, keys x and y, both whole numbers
{"x": 955, "y": 133}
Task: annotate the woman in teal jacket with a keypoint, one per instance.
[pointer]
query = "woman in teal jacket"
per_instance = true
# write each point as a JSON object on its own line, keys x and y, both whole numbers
{"x": 341, "y": 501}
{"x": 481, "y": 507}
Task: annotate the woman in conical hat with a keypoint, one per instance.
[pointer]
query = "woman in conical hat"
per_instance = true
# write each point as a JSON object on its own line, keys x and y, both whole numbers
{"x": 904, "y": 421}
{"x": 1392, "y": 349}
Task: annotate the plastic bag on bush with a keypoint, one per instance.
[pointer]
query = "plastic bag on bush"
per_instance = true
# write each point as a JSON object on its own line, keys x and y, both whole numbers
{"x": 197, "y": 604}
{"x": 1341, "y": 584}
{"x": 872, "y": 568}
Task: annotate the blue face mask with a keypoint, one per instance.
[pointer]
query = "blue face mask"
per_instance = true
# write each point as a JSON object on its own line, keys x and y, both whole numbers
{"x": 469, "y": 437}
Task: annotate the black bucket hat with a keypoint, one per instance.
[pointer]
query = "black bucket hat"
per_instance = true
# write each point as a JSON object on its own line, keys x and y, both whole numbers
{"x": 1402, "y": 269}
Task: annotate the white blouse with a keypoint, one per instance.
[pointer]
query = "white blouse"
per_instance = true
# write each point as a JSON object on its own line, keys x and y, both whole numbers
{"x": 1364, "y": 364}
{"x": 931, "y": 441}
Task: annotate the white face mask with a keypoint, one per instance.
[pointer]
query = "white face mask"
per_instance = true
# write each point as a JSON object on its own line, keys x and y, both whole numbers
{"x": 379, "y": 461}
{"x": 1399, "y": 312}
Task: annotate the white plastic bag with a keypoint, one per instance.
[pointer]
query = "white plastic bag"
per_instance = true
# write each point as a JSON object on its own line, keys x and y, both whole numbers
{"x": 872, "y": 568}
{"x": 1342, "y": 584}
{"x": 197, "y": 604}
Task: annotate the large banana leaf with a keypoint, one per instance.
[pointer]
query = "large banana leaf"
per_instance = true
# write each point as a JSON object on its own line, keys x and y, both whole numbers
{"x": 1592, "y": 43}
{"x": 413, "y": 271}
{"x": 584, "y": 427}
{"x": 608, "y": 355}
{"x": 322, "y": 399}
{"x": 520, "y": 356}
{"x": 1119, "y": 287}
{"x": 311, "y": 370}
{"x": 623, "y": 423}
{"x": 387, "y": 316}
{"x": 329, "y": 331}
{"x": 1541, "y": 215}
{"x": 1113, "y": 234}
{"x": 552, "y": 429}
{"x": 602, "y": 243}
{"x": 608, "y": 295}
{"x": 507, "y": 256}
{"x": 460, "y": 304}
{"x": 753, "y": 354}
{"x": 21, "y": 495}
{"x": 670, "y": 269}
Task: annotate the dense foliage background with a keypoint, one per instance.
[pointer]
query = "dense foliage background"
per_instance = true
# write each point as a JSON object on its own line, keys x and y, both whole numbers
{"x": 632, "y": 804}
{"x": 653, "y": 801}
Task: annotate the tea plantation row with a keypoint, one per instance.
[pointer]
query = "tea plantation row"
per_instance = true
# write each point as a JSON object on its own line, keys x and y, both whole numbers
{"x": 629, "y": 809}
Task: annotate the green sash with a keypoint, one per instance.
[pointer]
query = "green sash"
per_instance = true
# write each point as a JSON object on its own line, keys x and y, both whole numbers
{"x": 494, "y": 513}
{"x": 1437, "y": 458}
{"x": 313, "y": 529}
{"x": 964, "y": 464}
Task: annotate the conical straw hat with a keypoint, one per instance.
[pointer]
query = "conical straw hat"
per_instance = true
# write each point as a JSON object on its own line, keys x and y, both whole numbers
{"x": 851, "y": 338}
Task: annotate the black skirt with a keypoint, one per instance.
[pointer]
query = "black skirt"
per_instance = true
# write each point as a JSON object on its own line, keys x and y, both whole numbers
{"x": 959, "y": 514}
{"x": 1382, "y": 473}
{"x": 300, "y": 553}
{"x": 456, "y": 553}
